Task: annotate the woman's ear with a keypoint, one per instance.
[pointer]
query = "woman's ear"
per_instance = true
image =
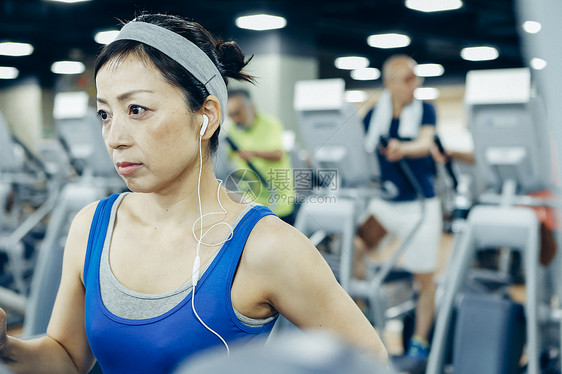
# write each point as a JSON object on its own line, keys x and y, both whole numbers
{"x": 212, "y": 109}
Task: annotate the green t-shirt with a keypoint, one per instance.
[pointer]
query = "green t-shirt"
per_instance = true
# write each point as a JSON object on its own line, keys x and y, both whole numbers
{"x": 265, "y": 135}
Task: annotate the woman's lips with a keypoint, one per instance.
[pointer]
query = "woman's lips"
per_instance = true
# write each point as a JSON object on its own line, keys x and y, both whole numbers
{"x": 126, "y": 168}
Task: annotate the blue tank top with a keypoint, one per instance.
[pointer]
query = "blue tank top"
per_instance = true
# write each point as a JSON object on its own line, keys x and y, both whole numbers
{"x": 160, "y": 344}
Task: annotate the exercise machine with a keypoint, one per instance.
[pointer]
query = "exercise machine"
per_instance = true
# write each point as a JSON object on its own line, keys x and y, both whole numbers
{"x": 335, "y": 138}
{"x": 512, "y": 156}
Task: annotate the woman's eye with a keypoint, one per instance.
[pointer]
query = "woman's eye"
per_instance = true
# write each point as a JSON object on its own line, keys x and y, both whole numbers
{"x": 136, "y": 110}
{"x": 103, "y": 115}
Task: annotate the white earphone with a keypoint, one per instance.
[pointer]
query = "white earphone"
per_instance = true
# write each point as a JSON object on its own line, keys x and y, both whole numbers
{"x": 196, "y": 271}
{"x": 204, "y": 125}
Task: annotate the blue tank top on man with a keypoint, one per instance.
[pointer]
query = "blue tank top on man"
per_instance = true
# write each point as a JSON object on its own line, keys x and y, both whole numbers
{"x": 160, "y": 344}
{"x": 423, "y": 168}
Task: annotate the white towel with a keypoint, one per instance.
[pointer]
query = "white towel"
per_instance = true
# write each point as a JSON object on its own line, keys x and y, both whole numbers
{"x": 410, "y": 120}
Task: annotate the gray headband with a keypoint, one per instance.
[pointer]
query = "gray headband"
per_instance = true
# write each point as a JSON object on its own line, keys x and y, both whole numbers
{"x": 181, "y": 50}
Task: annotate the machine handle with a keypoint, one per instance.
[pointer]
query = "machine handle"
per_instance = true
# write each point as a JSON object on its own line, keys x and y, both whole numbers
{"x": 448, "y": 163}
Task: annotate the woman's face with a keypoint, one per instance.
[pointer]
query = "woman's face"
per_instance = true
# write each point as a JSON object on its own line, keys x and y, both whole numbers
{"x": 147, "y": 126}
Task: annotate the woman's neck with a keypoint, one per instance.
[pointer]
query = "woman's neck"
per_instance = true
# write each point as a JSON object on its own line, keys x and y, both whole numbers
{"x": 182, "y": 203}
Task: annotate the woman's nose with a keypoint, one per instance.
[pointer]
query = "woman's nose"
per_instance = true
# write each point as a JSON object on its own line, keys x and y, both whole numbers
{"x": 116, "y": 134}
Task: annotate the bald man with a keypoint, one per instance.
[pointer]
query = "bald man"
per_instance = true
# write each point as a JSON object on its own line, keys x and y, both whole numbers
{"x": 409, "y": 126}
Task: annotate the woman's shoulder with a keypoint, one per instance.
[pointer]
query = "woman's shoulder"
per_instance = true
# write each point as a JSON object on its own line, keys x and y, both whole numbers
{"x": 277, "y": 256}
{"x": 83, "y": 219}
{"x": 77, "y": 239}
{"x": 272, "y": 240}
{"x": 270, "y": 227}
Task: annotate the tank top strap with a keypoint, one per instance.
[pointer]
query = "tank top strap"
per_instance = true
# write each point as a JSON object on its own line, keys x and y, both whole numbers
{"x": 98, "y": 230}
{"x": 240, "y": 237}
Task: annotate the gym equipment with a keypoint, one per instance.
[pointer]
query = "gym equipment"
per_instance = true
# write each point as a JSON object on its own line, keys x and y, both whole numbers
{"x": 547, "y": 84}
{"x": 28, "y": 193}
{"x": 333, "y": 132}
{"x": 68, "y": 191}
{"x": 456, "y": 197}
{"x": 82, "y": 137}
{"x": 293, "y": 352}
{"x": 511, "y": 155}
{"x": 48, "y": 267}
{"x": 251, "y": 166}
{"x": 334, "y": 136}
{"x": 498, "y": 322}
{"x": 97, "y": 180}
{"x": 448, "y": 164}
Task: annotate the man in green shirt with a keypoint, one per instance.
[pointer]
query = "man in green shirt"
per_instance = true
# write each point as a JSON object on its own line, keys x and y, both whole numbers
{"x": 258, "y": 139}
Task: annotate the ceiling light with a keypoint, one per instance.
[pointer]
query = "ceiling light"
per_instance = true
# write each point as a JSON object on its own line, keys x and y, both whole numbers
{"x": 15, "y": 49}
{"x": 538, "y": 63}
{"x": 355, "y": 96}
{"x": 68, "y": 1}
{"x": 390, "y": 40}
{"x": 366, "y": 74}
{"x": 8, "y": 72}
{"x": 532, "y": 27}
{"x": 433, "y": 5}
{"x": 261, "y": 22}
{"x": 426, "y": 93}
{"x": 68, "y": 67}
{"x": 106, "y": 37}
{"x": 351, "y": 62}
{"x": 479, "y": 53}
{"x": 429, "y": 70}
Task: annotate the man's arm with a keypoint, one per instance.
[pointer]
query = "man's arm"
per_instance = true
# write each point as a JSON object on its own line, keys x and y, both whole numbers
{"x": 465, "y": 157}
{"x": 275, "y": 155}
{"x": 421, "y": 147}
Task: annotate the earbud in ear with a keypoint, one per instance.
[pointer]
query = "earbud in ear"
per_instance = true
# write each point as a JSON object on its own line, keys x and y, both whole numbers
{"x": 204, "y": 125}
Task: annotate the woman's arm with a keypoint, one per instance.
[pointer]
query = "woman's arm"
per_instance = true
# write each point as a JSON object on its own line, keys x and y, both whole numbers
{"x": 64, "y": 349}
{"x": 300, "y": 285}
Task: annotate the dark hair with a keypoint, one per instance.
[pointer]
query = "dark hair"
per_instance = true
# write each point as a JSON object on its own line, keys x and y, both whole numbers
{"x": 227, "y": 56}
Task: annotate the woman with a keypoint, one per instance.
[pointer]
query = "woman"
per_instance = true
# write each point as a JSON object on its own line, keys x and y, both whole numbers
{"x": 126, "y": 290}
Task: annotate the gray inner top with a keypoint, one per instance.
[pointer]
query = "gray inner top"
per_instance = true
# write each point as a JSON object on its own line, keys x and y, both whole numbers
{"x": 126, "y": 303}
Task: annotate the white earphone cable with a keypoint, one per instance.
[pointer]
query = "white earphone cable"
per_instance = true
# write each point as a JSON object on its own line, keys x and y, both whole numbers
{"x": 197, "y": 262}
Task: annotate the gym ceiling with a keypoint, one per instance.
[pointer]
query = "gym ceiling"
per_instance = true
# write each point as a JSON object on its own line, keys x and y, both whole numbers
{"x": 330, "y": 29}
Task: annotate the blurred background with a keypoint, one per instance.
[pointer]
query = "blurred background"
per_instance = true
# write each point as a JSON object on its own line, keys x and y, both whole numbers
{"x": 308, "y": 42}
{"x": 492, "y": 69}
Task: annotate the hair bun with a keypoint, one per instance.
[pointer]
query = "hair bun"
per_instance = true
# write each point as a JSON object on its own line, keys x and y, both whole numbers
{"x": 233, "y": 60}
